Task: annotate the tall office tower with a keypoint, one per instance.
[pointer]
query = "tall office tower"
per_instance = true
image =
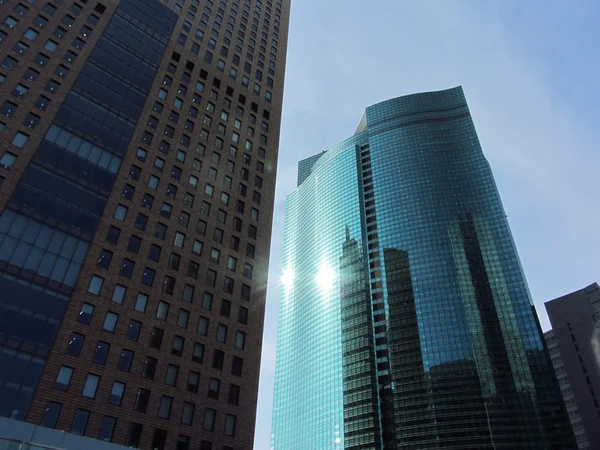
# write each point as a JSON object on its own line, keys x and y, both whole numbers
{"x": 405, "y": 318}
{"x": 139, "y": 147}
{"x": 574, "y": 346}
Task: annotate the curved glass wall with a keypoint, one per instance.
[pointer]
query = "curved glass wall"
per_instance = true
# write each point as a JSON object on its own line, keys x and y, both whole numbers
{"x": 426, "y": 335}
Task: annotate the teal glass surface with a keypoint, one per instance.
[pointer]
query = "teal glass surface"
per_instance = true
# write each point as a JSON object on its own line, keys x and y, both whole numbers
{"x": 405, "y": 318}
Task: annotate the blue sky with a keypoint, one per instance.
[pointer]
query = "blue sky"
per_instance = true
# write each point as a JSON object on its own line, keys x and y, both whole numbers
{"x": 530, "y": 71}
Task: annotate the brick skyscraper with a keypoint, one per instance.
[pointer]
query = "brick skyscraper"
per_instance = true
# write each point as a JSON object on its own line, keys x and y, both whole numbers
{"x": 139, "y": 144}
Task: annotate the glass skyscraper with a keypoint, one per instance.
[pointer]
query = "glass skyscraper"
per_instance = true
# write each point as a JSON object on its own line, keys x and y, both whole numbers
{"x": 405, "y": 317}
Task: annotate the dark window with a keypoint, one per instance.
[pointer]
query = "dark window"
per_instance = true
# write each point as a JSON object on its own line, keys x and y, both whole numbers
{"x": 161, "y": 230}
{"x": 116, "y": 394}
{"x": 124, "y": 364}
{"x": 149, "y": 368}
{"x": 127, "y": 268}
{"x": 234, "y": 394}
{"x": 80, "y": 422}
{"x": 141, "y": 221}
{"x": 134, "y": 435}
{"x": 104, "y": 259}
{"x": 42, "y": 103}
{"x": 198, "y": 354}
{"x": 159, "y": 439}
{"x": 156, "y": 338}
{"x": 154, "y": 253}
{"x": 51, "y": 414}
{"x": 113, "y": 234}
{"x": 134, "y": 243}
{"x": 218, "y": 358}
{"x": 236, "y": 366}
{"x": 193, "y": 382}
{"x": 133, "y": 332}
{"x": 85, "y": 314}
{"x": 107, "y": 428}
{"x": 101, "y": 352}
{"x": 75, "y": 344}
{"x": 214, "y": 385}
{"x": 177, "y": 345}
{"x": 141, "y": 400}
{"x": 148, "y": 276}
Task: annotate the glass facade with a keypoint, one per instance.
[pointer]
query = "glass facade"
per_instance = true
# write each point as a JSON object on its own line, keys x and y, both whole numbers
{"x": 405, "y": 317}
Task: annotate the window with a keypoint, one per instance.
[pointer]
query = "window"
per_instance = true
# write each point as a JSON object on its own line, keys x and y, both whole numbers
{"x": 51, "y": 414}
{"x": 141, "y": 400}
{"x": 149, "y": 368}
{"x": 198, "y": 354}
{"x": 218, "y": 359}
{"x": 214, "y": 386}
{"x": 100, "y": 353}
{"x": 134, "y": 435}
{"x": 110, "y": 322}
{"x": 240, "y": 340}
{"x": 169, "y": 285}
{"x": 75, "y": 344}
{"x": 20, "y": 140}
{"x": 183, "y": 318}
{"x": 116, "y": 394}
{"x": 124, "y": 364}
{"x": 148, "y": 277}
{"x": 172, "y": 374}
{"x": 222, "y": 333}
{"x": 202, "y": 326}
{"x": 51, "y": 45}
{"x": 187, "y": 416}
{"x": 107, "y": 428}
{"x": 245, "y": 292}
{"x": 8, "y": 160}
{"x": 95, "y": 285}
{"x": 179, "y": 240}
{"x": 188, "y": 293}
{"x": 156, "y": 338}
{"x": 236, "y": 366}
{"x": 141, "y": 302}
{"x": 164, "y": 410}
{"x": 104, "y": 259}
{"x": 193, "y": 382}
{"x": 159, "y": 439}
{"x": 133, "y": 331}
{"x": 121, "y": 213}
{"x": 161, "y": 230}
{"x": 91, "y": 385}
{"x": 9, "y": 63}
{"x": 163, "y": 310}
{"x": 230, "y": 425}
{"x": 177, "y": 345}
{"x": 42, "y": 103}
{"x": 20, "y": 91}
{"x": 80, "y": 422}
{"x": 154, "y": 253}
{"x": 85, "y": 314}
{"x": 209, "y": 419}
{"x": 63, "y": 379}
{"x": 113, "y": 234}
{"x": 234, "y": 394}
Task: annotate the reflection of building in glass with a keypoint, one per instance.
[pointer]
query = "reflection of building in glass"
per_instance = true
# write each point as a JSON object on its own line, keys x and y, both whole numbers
{"x": 428, "y": 338}
{"x": 574, "y": 346}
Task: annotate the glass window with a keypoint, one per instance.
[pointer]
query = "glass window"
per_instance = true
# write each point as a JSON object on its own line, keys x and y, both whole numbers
{"x": 63, "y": 378}
{"x": 141, "y": 400}
{"x": 202, "y": 326}
{"x": 20, "y": 140}
{"x": 198, "y": 354}
{"x": 80, "y": 422}
{"x": 116, "y": 394}
{"x": 85, "y": 315}
{"x": 214, "y": 385}
{"x": 110, "y": 322}
{"x": 163, "y": 311}
{"x": 171, "y": 375}
{"x": 149, "y": 367}
{"x": 51, "y": 414}
{"x": 91, "y": 385}
{"x": 141, "y": 302}
{"x": 209, "y": 419}
{"x": 177, "y": 345}
{"x": 222, "y": 333}
{"x": 230, "y": 425}
{"x": 133, "y": 332}
{"x": 101, "y": 352}
{"x": 124, "y": 364}
{"x": 75, "y": 344}
{"x": 121, "y": 213}
{"x": 107, "y": 428}
{"x": 164, "y": 410}
{"x": 187, "y": 416}
{"x": 95, "y": 285}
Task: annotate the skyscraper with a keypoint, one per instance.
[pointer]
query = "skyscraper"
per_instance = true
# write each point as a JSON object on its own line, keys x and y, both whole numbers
{"x": 405, "y": 317}
{"x": 139, "y": 147}
{"x": 574, "y": 346}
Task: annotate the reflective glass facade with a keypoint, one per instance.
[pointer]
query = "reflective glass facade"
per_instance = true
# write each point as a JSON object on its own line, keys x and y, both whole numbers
{"x": 405, "y": 318}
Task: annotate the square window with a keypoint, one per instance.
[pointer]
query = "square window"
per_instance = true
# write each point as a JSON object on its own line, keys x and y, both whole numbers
{"x": 20, "y": 140}
{"x": 31, "y": 120}
{"x": 121, "y": 213}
